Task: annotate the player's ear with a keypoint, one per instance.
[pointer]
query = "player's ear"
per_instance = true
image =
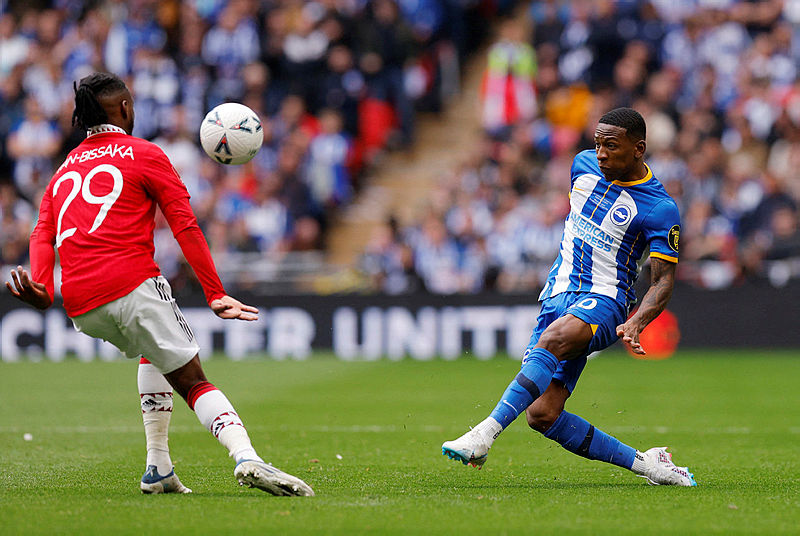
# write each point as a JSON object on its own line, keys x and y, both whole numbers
{"x": 639, "y": 148}
{"x": 124, "y": 108}
{"x": 126, "y": 113}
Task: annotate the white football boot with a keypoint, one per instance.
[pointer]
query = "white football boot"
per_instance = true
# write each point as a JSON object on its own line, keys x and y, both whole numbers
{"x": 470, "y": 449}
{"x": 660, "y": 471}
{"x": 265, "y": 477}
{"x": 152, "y": 482}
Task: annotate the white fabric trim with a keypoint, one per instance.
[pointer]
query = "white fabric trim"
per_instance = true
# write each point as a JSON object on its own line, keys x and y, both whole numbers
{"x": 100, "y": 129}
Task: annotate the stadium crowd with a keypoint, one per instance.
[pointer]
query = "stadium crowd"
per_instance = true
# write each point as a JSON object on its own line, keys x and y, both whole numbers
{"x": 337, "y": 82}
{"x": 717, "y": 82}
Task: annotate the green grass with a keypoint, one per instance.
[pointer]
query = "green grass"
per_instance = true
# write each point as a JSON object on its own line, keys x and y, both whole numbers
{"x": 367, "y": 437}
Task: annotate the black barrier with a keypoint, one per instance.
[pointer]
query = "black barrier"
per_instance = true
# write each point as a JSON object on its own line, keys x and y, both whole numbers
{"x": 360, "y": 327}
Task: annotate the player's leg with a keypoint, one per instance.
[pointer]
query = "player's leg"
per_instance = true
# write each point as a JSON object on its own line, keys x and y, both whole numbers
{"x": 155, "y": 395}
{"x": 596, "y": 322}
{"x": 218, "y": 415}
{"x": 547, "y": 416}
{"x": 213, "y": 409}
{"x": 575, "y": 434}
{"x": 153, "y": 325}
{"x": 565, "y": 339}
{"x": 473, "y": 447}
{"x": 104, "y": 323}
{"x": 555, "y": 338}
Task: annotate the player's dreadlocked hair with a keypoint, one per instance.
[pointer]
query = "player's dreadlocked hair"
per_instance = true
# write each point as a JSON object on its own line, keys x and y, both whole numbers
{"x": 88, "y": 111}
{"x": 627, "y": 118}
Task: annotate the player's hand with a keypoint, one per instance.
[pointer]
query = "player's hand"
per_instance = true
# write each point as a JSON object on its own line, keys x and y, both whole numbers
{"x": 629, "y": 333}
{"x": 231, "y": 308}
{"x": 28, "y": 290}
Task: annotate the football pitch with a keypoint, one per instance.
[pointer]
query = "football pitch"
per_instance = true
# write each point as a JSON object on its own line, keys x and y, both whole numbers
{"x": 367, "y": 437}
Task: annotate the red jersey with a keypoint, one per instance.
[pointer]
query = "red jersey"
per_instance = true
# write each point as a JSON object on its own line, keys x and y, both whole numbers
{"x": 99, "y": 212}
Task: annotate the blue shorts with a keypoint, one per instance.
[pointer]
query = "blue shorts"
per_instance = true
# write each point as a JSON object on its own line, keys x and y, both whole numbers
{"x": 603, "y": 313}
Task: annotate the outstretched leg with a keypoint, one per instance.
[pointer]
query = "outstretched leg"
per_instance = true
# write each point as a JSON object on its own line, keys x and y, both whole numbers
{"x": 217, "y": 414}
{"x": 473, "y": 447}
{"x": 155, "y": 395}
{"x": 547, "y": 416}
{"x": 565, "y": 338}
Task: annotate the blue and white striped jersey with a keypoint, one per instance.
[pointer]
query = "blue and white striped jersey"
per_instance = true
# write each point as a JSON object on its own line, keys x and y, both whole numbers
{"x": 610, "y": 227}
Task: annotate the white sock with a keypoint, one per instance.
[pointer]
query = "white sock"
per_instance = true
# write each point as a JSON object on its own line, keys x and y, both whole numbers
{"x": 236, "y": 440}
{"x": 489, "y": 428}
{"x": 639, "y": 465}
{"x": 217, "y": 414}
{"x": 155, "y": 395}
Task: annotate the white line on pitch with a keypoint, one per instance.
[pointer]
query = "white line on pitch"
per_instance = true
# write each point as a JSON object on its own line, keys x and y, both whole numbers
{"x": 380, "y": 429}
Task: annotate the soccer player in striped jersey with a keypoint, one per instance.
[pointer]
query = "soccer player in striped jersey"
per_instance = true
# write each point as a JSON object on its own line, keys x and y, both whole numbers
{"x": 619, "y": 214}
{"x": 98, "y": 213}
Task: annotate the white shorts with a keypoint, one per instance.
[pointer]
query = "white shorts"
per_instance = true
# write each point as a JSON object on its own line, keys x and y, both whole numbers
{"x": 146, "y": 322}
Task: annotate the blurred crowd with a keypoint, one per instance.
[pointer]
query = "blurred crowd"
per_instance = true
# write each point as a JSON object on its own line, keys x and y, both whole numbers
{"x": 717, "y": 82}
{"x": 335, "y": 82}
{"x": 338, "y": 82}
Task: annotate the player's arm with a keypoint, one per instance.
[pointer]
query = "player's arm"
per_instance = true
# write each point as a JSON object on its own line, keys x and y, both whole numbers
{"x": 170, "y": 193}
{"x": 193, "y": 244}
{"x": 662, "y": 281}
{"x": 661, "y": 228}
{"x": 28, "y": 290}
{"x": 38, "y": 288}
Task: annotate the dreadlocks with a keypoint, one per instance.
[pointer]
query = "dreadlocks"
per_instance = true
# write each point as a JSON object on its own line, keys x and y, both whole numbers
{"x": 88, "y": 111}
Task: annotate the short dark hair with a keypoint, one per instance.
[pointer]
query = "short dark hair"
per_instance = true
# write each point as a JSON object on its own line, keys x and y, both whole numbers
{"x": 88, "y": 111}
{"x": 627, "y": 118}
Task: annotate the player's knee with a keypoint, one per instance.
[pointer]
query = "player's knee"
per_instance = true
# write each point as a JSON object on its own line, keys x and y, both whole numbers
{"x": 541, "y": 418}
{"x": 563, "y": 341}
{"x": 555, "y": 342}
{"x": 186, "y": 377}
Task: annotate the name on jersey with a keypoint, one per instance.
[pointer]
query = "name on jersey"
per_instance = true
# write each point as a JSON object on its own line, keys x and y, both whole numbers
{"x": 590, "y": 232}
{"x": 111, "y": 150}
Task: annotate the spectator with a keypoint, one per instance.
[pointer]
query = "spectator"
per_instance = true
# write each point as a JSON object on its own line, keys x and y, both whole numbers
{"x": 304, "y": 49}
{"x": 390, "y": 263}
{"x": 266, "y": 218}
{"x": 228, "y": 46}
{"x": 16, "y": 222}
{"x": 134, "y": 31}
{"x": 14, "y": 46}
{"x": 343, "y": 87}
{"x": 156, "y": 84}
{"x": 327, "y": 174}
{"x": 33, "y": 144}
{"x": 386, "y": 45}
{"x": 508, "y": 92}
{"x": 436, "y": 258}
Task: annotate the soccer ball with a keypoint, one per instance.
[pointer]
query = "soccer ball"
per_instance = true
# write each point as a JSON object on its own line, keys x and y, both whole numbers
{"x": 231, "y": 133}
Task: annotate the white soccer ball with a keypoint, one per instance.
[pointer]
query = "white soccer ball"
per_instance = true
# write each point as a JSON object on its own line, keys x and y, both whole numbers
{"x": 231, "y": 133}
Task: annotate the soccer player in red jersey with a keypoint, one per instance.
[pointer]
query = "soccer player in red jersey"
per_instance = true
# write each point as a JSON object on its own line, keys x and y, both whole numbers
{"x": 98, "y": 211}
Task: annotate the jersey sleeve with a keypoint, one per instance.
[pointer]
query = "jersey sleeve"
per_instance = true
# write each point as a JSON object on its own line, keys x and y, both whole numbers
{"x": 43, "y": 238}
{"x": 662, "y": 230}
{"x": 161, "y": 180}
{"x": 165, "y": 185}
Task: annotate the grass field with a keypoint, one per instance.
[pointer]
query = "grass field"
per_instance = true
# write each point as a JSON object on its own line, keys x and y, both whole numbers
{"x": 367, "y": 437}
